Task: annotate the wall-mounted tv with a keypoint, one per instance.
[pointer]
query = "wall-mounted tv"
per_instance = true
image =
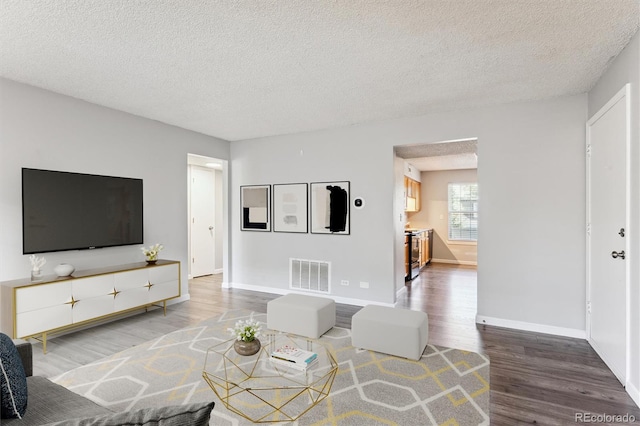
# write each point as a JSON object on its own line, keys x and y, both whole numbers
{"x": 76, "y": 211}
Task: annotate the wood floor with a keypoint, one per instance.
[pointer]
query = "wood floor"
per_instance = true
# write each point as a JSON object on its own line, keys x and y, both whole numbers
{"x": 535, "y": 378}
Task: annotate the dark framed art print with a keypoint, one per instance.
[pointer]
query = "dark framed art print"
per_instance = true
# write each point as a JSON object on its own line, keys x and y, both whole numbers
{"x": 330, "y": 208}
{"x": 255, "y": 208}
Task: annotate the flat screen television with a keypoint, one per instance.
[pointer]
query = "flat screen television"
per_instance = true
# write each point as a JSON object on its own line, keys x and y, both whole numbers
{"x": 76, "y": 211}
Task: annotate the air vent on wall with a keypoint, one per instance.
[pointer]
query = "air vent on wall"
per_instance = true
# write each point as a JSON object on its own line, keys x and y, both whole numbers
{"x": 309, "y": 275}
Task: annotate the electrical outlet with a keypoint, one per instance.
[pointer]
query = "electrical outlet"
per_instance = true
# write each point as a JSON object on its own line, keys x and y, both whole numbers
{"x": 364, "y": 284}
{"x": 344, "y": 282}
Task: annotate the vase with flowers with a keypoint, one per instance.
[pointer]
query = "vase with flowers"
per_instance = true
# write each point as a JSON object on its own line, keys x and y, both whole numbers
{"x": 246, "y": 333}
{"x": 151, "y": 253}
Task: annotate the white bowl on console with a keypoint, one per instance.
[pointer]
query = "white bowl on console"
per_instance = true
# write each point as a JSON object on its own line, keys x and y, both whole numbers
{"x": 64, "y": 270}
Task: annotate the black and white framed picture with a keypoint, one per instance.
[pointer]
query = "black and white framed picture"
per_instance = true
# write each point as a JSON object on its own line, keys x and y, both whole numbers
{"x": 330, "y": 208}
{"x": 290, "y": 207}
{"x": 255, "y": 208}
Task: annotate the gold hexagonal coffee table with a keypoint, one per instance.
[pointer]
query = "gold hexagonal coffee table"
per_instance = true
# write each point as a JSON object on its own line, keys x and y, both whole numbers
{"x": 262, "y": 391}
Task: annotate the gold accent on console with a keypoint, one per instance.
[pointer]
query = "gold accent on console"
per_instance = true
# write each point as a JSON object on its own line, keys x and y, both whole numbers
{"x": 72, "y": 302}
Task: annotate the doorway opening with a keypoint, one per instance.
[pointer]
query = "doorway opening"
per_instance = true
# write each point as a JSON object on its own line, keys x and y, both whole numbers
{"x": 207, "y": 217}
{"x": 441, "y": 198}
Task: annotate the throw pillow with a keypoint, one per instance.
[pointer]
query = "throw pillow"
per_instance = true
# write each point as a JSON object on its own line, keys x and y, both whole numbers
{"x": 13, "y": 381}
{"x": 196, "y": 414}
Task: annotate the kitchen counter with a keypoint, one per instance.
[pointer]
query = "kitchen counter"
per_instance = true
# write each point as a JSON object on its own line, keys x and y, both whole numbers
{"x": 414, "y": 231}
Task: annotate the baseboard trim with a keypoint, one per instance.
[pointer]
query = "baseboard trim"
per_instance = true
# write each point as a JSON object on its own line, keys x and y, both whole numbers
{"x": 633, "y": 393}
{"x": 338, "y": 299}
{"x": 456, "y": 262}
{"x": 529, "y": 326}
{"x": 215, "y": 272}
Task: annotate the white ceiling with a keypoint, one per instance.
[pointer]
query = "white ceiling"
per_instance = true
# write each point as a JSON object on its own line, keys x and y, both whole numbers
{"x": 452, "y": 155}
{"x": 239, "y": 70}
{"x": 445, "y": 162}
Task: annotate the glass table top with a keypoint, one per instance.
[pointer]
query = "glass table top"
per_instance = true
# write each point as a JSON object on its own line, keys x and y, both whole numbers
{"x": 262, "y": 390}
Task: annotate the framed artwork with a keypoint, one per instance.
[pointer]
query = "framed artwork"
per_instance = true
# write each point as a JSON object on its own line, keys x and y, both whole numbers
{"x": 255, "y": 208}
{"x": 290, "y": 207}
{"x": 330, "y": 203}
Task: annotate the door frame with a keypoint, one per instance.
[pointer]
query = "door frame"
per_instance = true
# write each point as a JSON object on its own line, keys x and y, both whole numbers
{"x": 212, "y": 192}
{"x": 624, "y": 93}
{"x": 201, "y": 160}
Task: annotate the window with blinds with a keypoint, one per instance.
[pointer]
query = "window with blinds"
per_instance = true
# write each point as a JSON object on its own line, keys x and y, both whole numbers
{"x": 463, "y": 211}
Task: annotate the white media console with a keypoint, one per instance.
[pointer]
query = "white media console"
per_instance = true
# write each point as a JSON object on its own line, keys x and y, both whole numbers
{"x": 36, "y": 308}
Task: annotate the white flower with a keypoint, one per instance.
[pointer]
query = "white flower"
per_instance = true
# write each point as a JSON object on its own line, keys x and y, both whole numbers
{"x": 246, "y": 330}
{"x": 152, "y": 252}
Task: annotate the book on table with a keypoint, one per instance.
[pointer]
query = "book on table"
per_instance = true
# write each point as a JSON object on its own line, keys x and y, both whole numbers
{"x": 293, "y": 355}
{"x": 293, "y": 365}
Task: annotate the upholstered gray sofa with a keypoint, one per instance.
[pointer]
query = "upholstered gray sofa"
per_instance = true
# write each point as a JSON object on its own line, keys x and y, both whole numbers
{"x": 49, "y": 403}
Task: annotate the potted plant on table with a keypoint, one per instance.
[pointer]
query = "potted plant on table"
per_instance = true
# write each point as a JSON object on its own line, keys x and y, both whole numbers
{"x": 246, "y": 333}
{"x": 151, "y": 253}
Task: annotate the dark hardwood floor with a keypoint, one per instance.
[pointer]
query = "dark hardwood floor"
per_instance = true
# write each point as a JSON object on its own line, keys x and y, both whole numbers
{"x": 535, "y": 378}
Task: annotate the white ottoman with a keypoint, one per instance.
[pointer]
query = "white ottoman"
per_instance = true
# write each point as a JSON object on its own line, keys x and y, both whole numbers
{"x": 309, "y": 316}
{"x": 393, "y": 331}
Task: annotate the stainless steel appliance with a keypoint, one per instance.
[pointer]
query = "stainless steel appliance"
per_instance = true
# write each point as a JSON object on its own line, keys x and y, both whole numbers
{"x": 413, "y": 243}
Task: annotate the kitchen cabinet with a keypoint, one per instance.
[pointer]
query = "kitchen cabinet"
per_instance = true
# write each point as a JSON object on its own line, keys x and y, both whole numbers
{"x": 411, "y": 195}
{"x": 426, "y": 241}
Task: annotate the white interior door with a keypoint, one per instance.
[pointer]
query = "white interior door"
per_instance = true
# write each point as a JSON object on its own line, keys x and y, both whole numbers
{"x": 202, "y": 221}
{"x": 607, "y": 240}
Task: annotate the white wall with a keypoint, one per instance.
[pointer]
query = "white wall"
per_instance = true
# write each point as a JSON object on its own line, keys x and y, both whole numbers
{"x": 219, "y": 223}
{"x": 400, "y": 251}
{"x": 626, "y": 69}
{"x": 434, "y": 193}
{"x": 525, "y": 151}
{"x": 41, "y": 129}
{"x": 262, "y": 259}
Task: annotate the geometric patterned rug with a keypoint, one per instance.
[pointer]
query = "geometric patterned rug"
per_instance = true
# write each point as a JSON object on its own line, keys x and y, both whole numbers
{"x": 445, "y": 387}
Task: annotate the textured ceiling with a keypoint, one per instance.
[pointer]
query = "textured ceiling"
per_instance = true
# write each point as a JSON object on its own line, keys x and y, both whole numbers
{"x": 239, "y": 70}
{"x": 445, "y": 162}
{"x": 452, "y": 155}
{"x": 438, "y": 149}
